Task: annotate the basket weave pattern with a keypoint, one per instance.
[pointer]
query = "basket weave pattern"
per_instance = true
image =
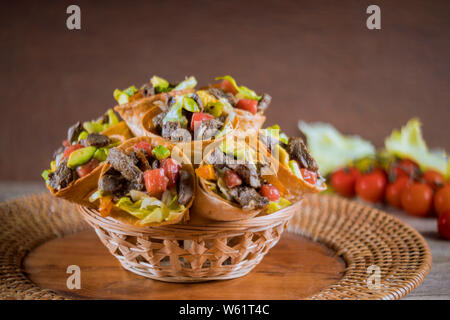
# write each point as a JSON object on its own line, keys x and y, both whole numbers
{"x": 361, "y": 235}
{"x": 191, "y": 253}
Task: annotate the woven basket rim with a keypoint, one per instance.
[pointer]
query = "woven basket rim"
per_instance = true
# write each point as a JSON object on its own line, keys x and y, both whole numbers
{"x": 39, "y": 218}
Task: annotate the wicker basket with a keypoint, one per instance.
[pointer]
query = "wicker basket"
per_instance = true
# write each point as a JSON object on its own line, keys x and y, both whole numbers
{"x": 191, "y": 252}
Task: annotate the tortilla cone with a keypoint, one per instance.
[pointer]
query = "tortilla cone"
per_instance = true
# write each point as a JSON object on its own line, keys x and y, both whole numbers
{"x": 249, "y": 123}
{"x": 212, "y": 206}
{"x": 79, "y": 190}
{"x": 297, "y": 186}
{"x": 177, "y": 154}
{"x": 133, "y": 111}
{"x": 193, "y": 149}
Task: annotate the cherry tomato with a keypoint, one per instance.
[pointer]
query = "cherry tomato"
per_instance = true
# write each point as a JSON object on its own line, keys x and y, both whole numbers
{"x": 433, "y": 178}
{"x": 147, "y": 147}
{"x": 371, "y": 186}
{"x": 87, "y": 168}
{"x": 227, "y": 86}
{"x": 171, "y": 168}
{"x": 442, "y": 200}
{"x": 309, "y": 176}
{"x": 249, "y": 105}
{"x": 406, "y": 168}
{"x": 71, "y": 149}
{"x": 444, "y": 224}
{"x": 199, "y": 117}
{"x": 417, "y": 199}
{"x": 343, "y": 181}
{"x": 394, "y": 191}
{"x": 232, "y": 179}
{"x": 155, "y": 181}
{"x": 270, "y": 192}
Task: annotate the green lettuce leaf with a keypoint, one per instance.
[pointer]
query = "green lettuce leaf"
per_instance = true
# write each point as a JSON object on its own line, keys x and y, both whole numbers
{"x": 409, "y": 143}
{"x": 175, "y": 113}
{"x": 160, "y": 84}
{"x": 331, "y": 149}
{"x": 188, "y": 83}
{"x": 243, "y": 91}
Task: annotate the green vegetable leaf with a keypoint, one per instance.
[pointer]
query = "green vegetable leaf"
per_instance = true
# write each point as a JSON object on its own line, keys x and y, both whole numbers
{"x": 188, "y": 83}
{"x": 331, "y": 149}
{"x": 160, "y": 84}
{"x": 160, "y": 152}
{"x": 409, "y": 143}
{"x": 175, "y": 113}
{"x": 243, "y": 91}
{"x": 122, "y": 96}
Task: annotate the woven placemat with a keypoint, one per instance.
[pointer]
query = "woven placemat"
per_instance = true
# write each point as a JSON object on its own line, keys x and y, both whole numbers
{"x": 361, "y": 235}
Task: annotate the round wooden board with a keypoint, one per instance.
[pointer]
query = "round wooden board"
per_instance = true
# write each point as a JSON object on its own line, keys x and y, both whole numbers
{"x": 295, "y": 268}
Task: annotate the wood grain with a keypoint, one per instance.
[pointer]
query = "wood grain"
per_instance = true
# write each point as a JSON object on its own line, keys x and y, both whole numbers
{"x": 316, "y": 58}
{"x": 294, "y": 269}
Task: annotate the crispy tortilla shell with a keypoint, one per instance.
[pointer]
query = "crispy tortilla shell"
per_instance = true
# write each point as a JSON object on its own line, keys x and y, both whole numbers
{"x": 133, "y": 112}
{"x": 78, "y": 191}
{"x": 177, "y": 154}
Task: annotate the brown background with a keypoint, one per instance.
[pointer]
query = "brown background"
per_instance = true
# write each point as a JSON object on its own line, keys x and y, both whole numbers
{"x": 317, "y": 59}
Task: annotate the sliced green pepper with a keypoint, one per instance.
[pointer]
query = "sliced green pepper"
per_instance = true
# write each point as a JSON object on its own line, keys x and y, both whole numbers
{"x": 80, "y": 157}
{"x": 82, "y": 135}
{"x": 215, "y": 108}
{"x": 243, "y": 91}
{"x": 45, "y": 174}
{"x": 93, "y": 127}
{"x": 188, "y": 83}
{"x": 160, "y": 84}
{"x": 100, "y": 154}
{"x": 161, "y": 152}
{"x": 293, "y": 165}
{"x": 112, "y": 117}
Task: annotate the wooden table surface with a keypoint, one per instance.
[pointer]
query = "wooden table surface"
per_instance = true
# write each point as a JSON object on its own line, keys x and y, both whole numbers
{"x": 435, "y": 286}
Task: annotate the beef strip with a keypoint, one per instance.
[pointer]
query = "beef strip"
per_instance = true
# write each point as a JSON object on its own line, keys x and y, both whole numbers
{"x": 248, "y": 198}
{"x": 218, "y": 159}
{"x": 207, "y": 129}
{"x": 218, "y": 93}
{"x": 297, "y": 150}
{"x": 185, "y": 187}
{"x": 157, "y": 121}
{"x": 62, "y": 176}
{"x": 264, "y": 102}
{"x": 74, "y": 131}
{"x": 113, "y": 182}
{"x": 95, "y": 139}
{"x": 148, "y": 90}
{"x": 247, "y": 172}
{"x": 197, "y": 99}
{"x": 168, "y": 130}
{"x": 126, "y": 165}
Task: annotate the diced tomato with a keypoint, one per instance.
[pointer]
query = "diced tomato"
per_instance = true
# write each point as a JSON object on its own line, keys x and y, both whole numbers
{"x": 144, "y": 146}
{"x": 155, "y": 181}
{"x": 309, "y": 176}
{"x": 87, "y": 168}
{"x": 71, "y": 149}
{"x": 232, "y": 179}
{"x": 227, "y": 86}
{"x": 199, "y": 117}
{"x": 66, "y": 143}
{"x": 171, "y": 168}
{"x": 249, "y": 105}
{"x": 270, "y": 192}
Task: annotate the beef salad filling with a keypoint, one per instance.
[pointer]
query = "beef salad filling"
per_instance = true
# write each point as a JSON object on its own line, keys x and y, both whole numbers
{"x": 193, "y": 116}
{"x": 83, "y": 151}
{"x": 145, "y": 182}
{"x": 156, "y": 85}
{"x": 239, "y": 177}
{"x": 292, "y": 153}
{"x": 240, "y": 97}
